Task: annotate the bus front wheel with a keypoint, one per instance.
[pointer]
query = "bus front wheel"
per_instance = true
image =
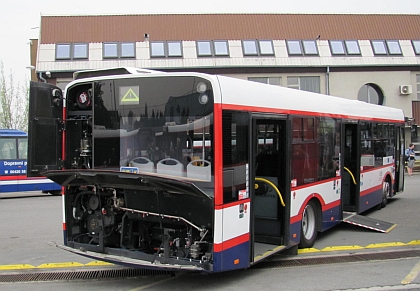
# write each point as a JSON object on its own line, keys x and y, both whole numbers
{"x": 386, "y": 192}
{"x": 308, "y": 230}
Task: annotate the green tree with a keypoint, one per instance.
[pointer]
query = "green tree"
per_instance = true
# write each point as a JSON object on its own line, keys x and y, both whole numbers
{"x": 14, "y": 102}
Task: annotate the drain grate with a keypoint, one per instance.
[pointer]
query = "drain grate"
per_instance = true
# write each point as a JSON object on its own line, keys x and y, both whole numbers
{"x": 359, "y": 257}
{"x": 275, "y": 262}
{"x": 78, "y": 274}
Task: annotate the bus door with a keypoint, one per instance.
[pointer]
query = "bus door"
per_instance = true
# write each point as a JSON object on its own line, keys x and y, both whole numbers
{"x": 350, "y": 167}
{"x": 45, "y": 126}
{"x": 269, "y": 171}
{"x": 399, "y": 159}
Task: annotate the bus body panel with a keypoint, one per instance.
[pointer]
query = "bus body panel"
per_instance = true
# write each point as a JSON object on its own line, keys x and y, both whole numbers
{"x": 45, "y": 125}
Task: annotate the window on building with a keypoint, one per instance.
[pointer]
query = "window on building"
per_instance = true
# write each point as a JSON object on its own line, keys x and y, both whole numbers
{"x": 344, "y": 47}
{"x": 110, "y": 50}
{"x": 337, "y": 47}
{"x": 174, "y": 49}
{"x": 221, "y": 48}
{"x": 115, "y": 50}
{"x": 352, "y": 47}
{"x": 157, "y": 49}
{"x": 162, "y": 49}
{"x": 302, "y": 47}
{"x": 70, "y": 51}
{"x": 128, "y": 50}
{"x": 62, "y": 51}
{"x": 249, "y": 47}
{"x": 80, "y": 51}
{"x": 305, "y": 83}
{"x": 416, "y": 46}
{"x": 258, "y": 48}
{"x": 371, "y": 93}
{"x": 310, "y": 47}
{"x": 294, "y": 47}
{"x": 388, "y": 47}
{"x": 207, "y": 48}
{"x": 393, "y": 47}
{"x": 266, "y": 80}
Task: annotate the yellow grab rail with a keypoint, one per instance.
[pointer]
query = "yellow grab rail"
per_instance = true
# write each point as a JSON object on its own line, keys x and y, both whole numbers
{"x": 272, "y": 185}
{"x": 351, "y": 174}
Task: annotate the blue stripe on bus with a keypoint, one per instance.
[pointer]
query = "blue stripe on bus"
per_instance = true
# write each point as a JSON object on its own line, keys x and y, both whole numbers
{"x": 233, "y": 258}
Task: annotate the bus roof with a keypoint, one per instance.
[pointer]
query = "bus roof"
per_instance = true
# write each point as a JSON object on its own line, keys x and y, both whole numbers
{"x": 252, "y": 96}
{"x": 12, "y": 133}
{"x": 246, "y": 95}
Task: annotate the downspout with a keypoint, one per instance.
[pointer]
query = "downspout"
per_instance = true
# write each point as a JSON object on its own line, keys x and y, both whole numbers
{"x": 327, "y": 81}
{"x": 42, "y": 78}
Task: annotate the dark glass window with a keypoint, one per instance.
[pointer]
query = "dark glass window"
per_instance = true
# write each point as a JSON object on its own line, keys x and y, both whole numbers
{"x": 235, "y": 154}
{"x": 158, "y": 125}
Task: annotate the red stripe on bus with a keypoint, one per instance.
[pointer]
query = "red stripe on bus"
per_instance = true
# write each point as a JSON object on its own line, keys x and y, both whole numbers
{"x": 218, "y": 155}
{"x": 370, "y": 190}
{"x": 224, "y": 206}
{"x": 231, "y": 243}
{"x": 21, "y": 177}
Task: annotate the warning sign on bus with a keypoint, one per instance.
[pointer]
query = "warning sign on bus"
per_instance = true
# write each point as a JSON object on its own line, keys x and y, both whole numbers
{"x": 129, "y": 95}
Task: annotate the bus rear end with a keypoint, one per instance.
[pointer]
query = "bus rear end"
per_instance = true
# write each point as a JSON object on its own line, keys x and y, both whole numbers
{"x": 134, "y": 155}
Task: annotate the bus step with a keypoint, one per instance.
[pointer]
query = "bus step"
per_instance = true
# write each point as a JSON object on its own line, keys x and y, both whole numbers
{"x": 368, "y": 222}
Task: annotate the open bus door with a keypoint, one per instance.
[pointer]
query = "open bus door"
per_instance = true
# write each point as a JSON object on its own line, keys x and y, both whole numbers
{"x": 45, "y": 126}
{"x": 399, "y": 157}
{"x": 269, "y": 171}
{"x": 350, "y": 167}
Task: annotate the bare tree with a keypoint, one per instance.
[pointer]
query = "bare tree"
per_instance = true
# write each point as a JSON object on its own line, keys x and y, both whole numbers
{"x": 14, "y": 99}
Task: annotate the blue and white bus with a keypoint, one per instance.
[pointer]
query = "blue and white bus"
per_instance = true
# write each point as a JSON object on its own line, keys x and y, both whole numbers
{"x": 13, "y": 160}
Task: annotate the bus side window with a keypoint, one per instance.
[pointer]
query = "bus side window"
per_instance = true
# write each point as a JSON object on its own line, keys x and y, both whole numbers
{"x": 8, "y": 150}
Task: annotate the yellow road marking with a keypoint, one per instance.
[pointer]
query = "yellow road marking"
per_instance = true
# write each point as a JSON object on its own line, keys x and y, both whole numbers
{"x": 412, "y": 275}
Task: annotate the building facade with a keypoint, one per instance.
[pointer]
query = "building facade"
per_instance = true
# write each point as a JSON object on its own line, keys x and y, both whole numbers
{"x": 374, "y": 58}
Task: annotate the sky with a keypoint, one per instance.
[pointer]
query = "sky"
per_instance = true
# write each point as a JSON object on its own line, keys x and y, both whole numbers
{"x": 20, "y": 19}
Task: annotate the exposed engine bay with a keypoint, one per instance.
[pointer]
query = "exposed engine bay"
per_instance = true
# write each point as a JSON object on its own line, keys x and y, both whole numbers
{"x": 146, "y": 223}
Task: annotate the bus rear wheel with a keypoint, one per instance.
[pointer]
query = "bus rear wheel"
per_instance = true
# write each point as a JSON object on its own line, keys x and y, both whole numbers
{"x": 308, "y": 230}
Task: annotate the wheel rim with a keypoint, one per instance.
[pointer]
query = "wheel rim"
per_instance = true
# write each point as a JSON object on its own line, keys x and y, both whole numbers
{"x": 386, "y": 191}
{"x": 308, "y": 222}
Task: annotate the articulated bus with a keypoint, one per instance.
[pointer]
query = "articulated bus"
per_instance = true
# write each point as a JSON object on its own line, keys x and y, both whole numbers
{"x": 189, "y": 171}
{"x": 13, "y": 153}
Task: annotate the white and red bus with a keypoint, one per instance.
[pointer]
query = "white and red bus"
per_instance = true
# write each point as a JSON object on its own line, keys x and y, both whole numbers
{"x": 204, "y": 172}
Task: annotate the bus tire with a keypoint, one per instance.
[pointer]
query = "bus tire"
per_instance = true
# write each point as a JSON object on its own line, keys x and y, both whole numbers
{"x": 386, "y": 192}
{"x": 308, "y": 230}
